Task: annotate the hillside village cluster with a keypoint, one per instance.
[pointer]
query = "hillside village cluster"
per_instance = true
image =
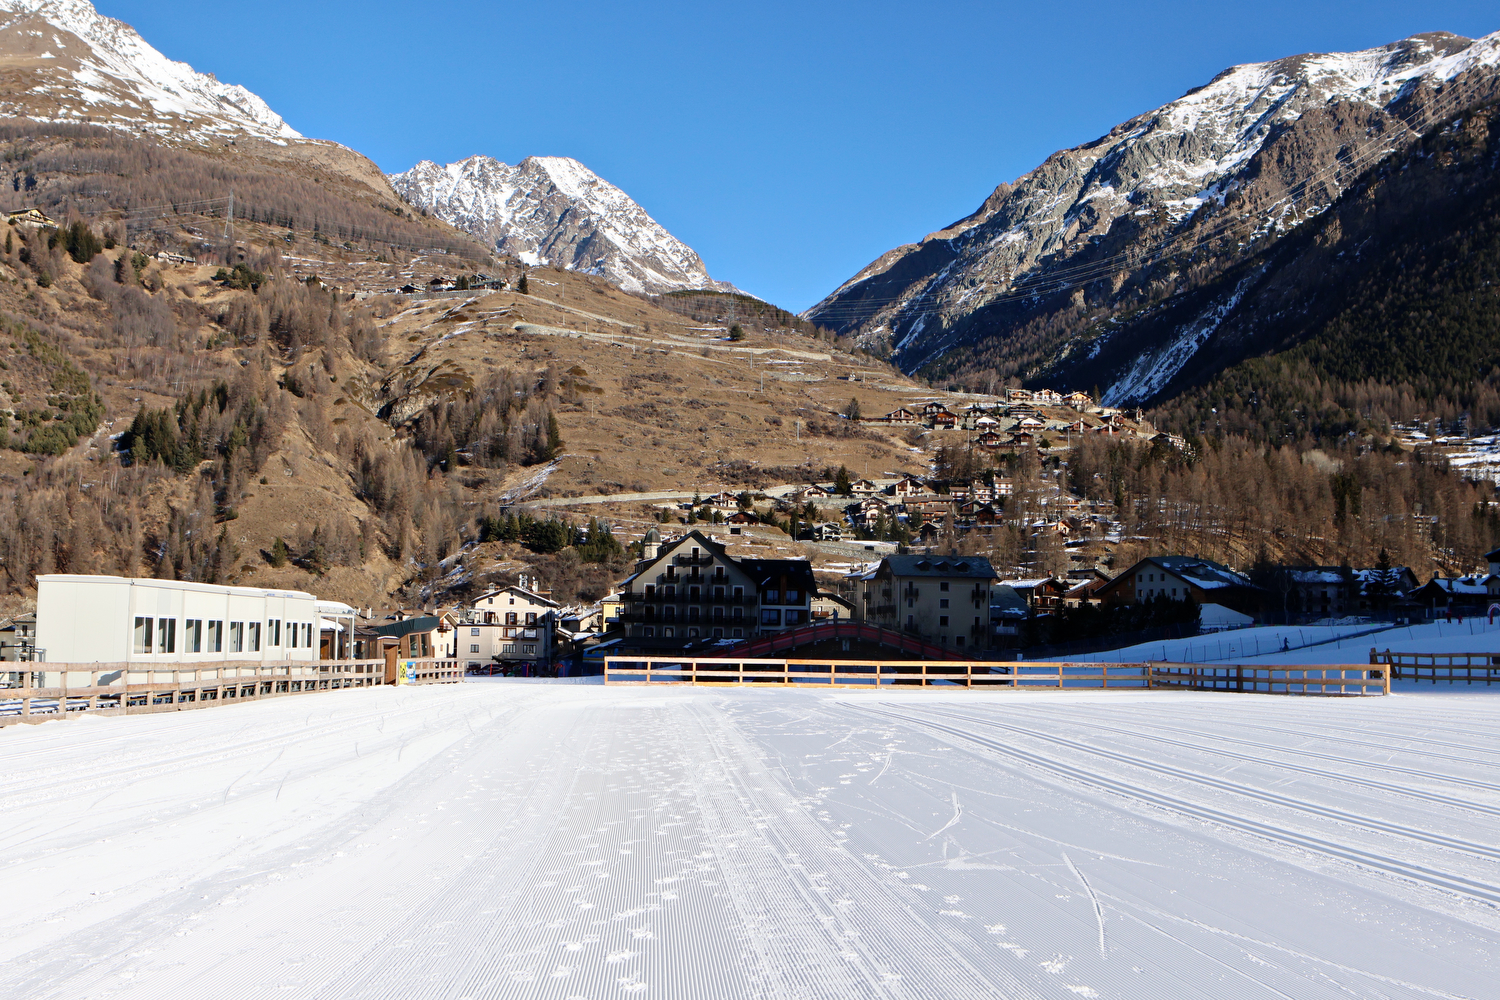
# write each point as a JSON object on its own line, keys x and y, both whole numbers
{"x": 690, "y": 593}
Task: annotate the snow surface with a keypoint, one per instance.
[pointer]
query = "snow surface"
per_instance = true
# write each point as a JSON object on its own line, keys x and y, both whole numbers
{"x": 499, "y": 840}
{"x": 1313, "y": 644}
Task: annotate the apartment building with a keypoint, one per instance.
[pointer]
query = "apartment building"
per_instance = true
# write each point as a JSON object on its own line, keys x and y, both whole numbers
{"x": 690, "y": 588}
{"x": 945, "y": 600}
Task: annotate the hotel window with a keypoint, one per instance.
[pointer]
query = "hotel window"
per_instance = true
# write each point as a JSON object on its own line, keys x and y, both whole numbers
{"x": 531, "y": 618}
{"x": 943, "y": 621}
{"x": 793, "y": 597}
{"x": 254, "y": 645}
{"x": 943, "y": 603}
{"x": 192, "y": 636}
{"x": 273, "y": 632}
{"x": 143, "y": 635}
{"x": 943, "y": 586}
{"x": 528, "y": 651}
{"x": 236, "y": 637}
{"x": 770, "y": 596}
{"x": 216, "y": 637}
{"x": 510, "y": 618}
{"x": 473, "y": 647}
{"x": 770, "y": 616}
{"x": 166, "y": 635}
{"x": 473, "y": 631}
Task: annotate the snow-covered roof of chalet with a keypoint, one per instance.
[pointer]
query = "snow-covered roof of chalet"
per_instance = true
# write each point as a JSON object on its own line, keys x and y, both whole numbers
{"x": 336, "y": 608}
{"x": 1205, "y": 574}
{"x": 1316, "y": 575}
{"x": 530, "y": 595}
{"x": 1466, "y": 586}
{"x": 1030, "y": 584}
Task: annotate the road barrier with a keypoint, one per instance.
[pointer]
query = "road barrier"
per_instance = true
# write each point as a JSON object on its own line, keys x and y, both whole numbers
{"x": 1470, "y": 668}
{"x": 61, "y": 690}
{"x": 1300, "y": 680}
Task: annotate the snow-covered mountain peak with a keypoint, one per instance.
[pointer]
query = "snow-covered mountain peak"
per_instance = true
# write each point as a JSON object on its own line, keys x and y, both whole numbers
{"x": 1246, "y": 158}
{"x": 92, "y": 68}
{"x": 555, "y": 210}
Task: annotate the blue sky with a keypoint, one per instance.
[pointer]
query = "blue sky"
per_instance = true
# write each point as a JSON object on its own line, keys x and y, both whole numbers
{"x": 788, "y": 143}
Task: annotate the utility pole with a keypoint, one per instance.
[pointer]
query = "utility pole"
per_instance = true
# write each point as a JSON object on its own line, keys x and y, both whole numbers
{"x": 229, "y": 232}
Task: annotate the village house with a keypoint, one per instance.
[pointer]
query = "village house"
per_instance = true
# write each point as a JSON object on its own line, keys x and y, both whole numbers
{"x": 900, "y": 416}
{"x": 1043, "y": 594}
{"x": 908, "y": 487}
{"x": 1180, "y": 578}
{"x": 943, "y": 420}
{"x": 509, "y": 624}
{"x": 1080, "y": 401}
{"x": 1464, "y": 595}
{"x": 945, "y": 600}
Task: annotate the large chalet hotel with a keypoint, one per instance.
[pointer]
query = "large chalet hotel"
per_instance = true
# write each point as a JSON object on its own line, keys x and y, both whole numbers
{"x": 691, "y": 588}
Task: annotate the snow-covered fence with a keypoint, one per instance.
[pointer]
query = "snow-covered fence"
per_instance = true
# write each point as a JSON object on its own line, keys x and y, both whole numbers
{"x": 56, "y": 690}
{"x": 1322, "y": 679}
{"x": 867, "y": 673}
{"x": 1471, "y": 668}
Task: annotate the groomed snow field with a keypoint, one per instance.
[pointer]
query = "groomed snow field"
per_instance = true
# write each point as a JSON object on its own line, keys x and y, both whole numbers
{"x": 576, "y": 841}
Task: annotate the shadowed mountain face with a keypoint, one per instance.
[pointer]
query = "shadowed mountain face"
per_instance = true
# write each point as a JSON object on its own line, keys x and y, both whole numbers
{"x": 554, "y": 210}
{"x": 1050, "y": 278}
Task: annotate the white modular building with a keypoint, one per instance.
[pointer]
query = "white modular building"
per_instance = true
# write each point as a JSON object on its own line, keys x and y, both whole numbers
{"x": 111, "y": 619}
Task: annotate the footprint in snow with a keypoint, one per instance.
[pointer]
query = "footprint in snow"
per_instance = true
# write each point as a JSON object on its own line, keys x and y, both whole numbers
{"x": 616, "y": 957}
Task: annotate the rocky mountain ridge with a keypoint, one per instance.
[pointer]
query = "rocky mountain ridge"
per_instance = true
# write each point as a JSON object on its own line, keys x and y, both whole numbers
{"x": 1050, "y": 270}
{"x": 97, "y": 70}
{"x": 554, "y": 210}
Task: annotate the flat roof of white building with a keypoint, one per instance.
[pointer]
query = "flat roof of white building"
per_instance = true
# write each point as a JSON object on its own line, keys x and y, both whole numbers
{"x": 201, "y": 588}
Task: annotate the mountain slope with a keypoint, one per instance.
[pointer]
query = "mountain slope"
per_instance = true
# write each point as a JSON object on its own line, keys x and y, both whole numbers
{"x": 554, "y": 210}
{"x": 62, "y": 61}
{"x": 91, "y": 68}
{"x": 1385, "y": 310}
{"x": 1029, "y": 284}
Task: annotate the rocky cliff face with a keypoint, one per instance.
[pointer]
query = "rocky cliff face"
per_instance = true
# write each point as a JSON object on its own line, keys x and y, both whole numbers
{"x": 1043, "y": 281}
{"x": 554, "y": 210}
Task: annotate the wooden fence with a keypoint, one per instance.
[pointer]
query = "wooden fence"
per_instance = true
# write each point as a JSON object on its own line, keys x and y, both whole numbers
{"x": 1470, "y": 668}
{"x": 1338, "y": 679}
{"x": 54, "y": 690}
{"x": 1304, "y": 680}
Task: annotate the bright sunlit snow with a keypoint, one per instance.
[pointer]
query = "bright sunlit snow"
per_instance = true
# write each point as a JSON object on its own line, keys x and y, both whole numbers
{"x": 553, "y": 840}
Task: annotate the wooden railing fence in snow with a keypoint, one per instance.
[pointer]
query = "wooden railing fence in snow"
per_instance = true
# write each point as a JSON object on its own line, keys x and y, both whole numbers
{"x": 1470, "y": 668}
{"x": 1305, "y": 680}
{"x": 53, "y": 690}
{"x": 1298, "y": 679}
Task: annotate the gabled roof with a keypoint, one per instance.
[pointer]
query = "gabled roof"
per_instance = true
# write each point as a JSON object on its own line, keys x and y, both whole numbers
{"x": 1005, "y": 602}
{"x": 974, "y": 567}
{"x": 530, "y": 595}
{"x": 1205, "y": 574}
{"x": 797, "y": 572}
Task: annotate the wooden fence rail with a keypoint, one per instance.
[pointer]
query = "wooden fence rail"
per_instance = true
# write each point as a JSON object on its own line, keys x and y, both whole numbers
{"x": 1470, "y": 668}
{"x": 1353, "y": 679}
{"x": 57, "y": 690}
{"x": 1338, "y": 679}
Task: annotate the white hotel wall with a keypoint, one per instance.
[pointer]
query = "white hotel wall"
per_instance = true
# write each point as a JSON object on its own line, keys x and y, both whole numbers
{"x": 92, "y": 619}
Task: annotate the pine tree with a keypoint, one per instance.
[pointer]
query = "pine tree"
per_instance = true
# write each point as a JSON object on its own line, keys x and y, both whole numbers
{"x": 523, "y": 286}
{"x": 843, "y": 483}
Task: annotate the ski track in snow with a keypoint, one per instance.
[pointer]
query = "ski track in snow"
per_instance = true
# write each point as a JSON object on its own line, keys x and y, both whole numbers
{"x": 574, "y": 841}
